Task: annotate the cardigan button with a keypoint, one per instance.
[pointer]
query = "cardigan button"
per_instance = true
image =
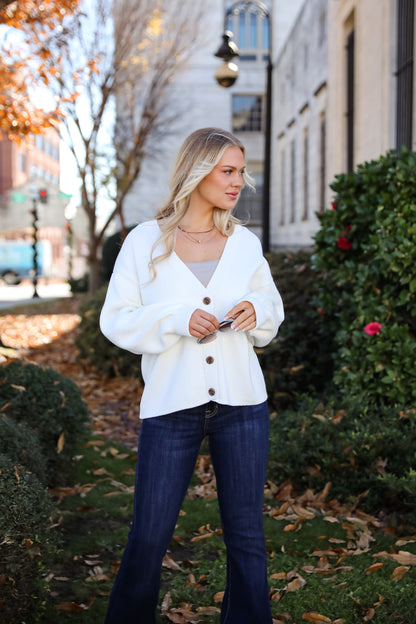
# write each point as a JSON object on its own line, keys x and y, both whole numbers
{"x": 209, "y": 360}
{"x": 211, "y": 392}
{"x": 206, "y": 300}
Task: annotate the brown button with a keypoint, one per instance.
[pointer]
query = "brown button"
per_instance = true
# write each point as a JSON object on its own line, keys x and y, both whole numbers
{"x": 209, "y": 360}
{"x": 206, "y": 300}
{"x": 211, "y": 392}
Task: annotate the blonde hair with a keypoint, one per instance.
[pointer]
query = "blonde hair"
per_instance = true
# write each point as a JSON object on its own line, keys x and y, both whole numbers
{"x": 197, "y": 157}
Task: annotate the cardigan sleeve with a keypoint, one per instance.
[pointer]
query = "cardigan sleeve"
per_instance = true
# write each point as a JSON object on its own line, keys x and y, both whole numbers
{"x": 268, "y": 306}
{"x": 130, "y": 324}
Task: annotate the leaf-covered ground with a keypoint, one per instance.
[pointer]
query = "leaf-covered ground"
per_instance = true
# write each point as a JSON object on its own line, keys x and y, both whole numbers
{"x": 328, "y": 562}
{"x": 47, "y": 339}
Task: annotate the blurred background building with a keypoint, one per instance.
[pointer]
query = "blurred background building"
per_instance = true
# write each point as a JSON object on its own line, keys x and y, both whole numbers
{"x": 30, "y": 181}
{"x": 343, "y": 85}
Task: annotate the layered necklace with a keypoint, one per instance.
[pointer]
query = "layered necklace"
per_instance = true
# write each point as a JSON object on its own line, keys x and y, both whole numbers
{"x": 193, "y": 236}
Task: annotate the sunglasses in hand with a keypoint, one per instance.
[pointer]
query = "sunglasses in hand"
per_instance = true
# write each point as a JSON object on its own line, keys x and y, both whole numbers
{"x": 224, "y": 326}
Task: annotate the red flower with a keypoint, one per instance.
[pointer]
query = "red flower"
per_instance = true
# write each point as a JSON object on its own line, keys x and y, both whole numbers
{"x": 373, "y": 328}
{"x": 334, "y": 205}
{"x": 344, "y": 243}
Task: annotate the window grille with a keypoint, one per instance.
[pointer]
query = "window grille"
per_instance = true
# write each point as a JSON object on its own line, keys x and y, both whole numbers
{"x": 247, "y": 113}
{"x": 405, "y": 54}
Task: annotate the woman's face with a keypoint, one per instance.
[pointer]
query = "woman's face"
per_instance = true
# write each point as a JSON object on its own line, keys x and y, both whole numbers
{"x": 222, "y": 186}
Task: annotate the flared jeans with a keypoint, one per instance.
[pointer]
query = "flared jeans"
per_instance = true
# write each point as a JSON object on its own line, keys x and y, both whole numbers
{"x": 167, "y": 454}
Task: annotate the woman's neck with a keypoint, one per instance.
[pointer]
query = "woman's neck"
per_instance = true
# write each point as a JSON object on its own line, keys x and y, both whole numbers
{"x": 197, "y": 220}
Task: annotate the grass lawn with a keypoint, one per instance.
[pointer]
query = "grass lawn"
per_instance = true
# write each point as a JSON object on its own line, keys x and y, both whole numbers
{"x": 326, "y": 563}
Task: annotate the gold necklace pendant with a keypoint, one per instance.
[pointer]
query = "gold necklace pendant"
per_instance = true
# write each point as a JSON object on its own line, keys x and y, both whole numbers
{"x": 197, "y": 241}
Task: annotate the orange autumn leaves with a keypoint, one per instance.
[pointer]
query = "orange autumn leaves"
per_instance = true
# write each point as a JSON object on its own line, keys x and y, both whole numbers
{"x": 26, "y": 61}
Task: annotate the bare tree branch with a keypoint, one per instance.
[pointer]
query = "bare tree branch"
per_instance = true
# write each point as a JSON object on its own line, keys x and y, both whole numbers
{"x": 120, "y": 62}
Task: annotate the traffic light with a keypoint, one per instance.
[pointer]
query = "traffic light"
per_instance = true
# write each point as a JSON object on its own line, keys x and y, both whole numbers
{"x": 43, "y": 196}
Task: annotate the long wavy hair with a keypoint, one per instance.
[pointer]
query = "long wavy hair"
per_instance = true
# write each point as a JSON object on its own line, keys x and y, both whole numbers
{"x": 197, "y": 157}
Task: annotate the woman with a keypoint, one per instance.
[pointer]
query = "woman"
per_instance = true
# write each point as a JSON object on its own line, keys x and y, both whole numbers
{"x": 176, "y": 279}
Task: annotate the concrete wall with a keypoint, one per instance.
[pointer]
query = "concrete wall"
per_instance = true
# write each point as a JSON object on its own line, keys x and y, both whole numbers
{"x": 299, "y": 110}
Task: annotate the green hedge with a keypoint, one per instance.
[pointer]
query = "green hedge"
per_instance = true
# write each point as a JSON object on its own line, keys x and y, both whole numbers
{"x": 20, "y": 443}
{"x": 299, "y": 359}
{"x": 366, "y": 279}
{"x": 27, "y": 542}
{"x": 49, "y": 403}
{"x": 354, "y": 446}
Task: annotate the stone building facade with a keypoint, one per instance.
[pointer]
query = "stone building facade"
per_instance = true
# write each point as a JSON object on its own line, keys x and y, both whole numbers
{"x": 371, "y": 72}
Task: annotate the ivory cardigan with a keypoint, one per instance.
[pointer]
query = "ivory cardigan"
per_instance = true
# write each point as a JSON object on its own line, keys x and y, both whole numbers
{"x": 152, "y": 318}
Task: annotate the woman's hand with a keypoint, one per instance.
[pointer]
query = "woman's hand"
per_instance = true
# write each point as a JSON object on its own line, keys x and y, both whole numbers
{"x": 202, "y": 323}
{"x": 245, "y": 316}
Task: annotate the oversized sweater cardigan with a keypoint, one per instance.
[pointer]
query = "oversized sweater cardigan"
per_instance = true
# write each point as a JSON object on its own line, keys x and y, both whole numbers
{"x": 151, "y": 317}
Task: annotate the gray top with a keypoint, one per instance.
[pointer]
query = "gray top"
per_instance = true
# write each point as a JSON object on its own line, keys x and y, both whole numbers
{"x": 203, "y": 270}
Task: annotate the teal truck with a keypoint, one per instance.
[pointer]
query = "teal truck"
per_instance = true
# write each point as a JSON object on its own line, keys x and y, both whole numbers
{"x": 17, "y": 261}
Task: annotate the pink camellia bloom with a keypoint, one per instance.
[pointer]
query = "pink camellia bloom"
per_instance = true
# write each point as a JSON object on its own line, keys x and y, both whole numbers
{"x": 344, "y": 243}
{"x": 373, "y": 328}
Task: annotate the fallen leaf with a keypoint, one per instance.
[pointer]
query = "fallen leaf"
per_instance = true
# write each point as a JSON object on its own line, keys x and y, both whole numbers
{"x": 315, "y": 617}
{"x": 296, "y": 584}
{"x": 374, "y": 568}
{"x": 166, "y": 603}
{"x": 168, "y": 562}
{"x": 369, "y": 615}
{"x": 60, "y": 443}
{"x": 399, "y": 572}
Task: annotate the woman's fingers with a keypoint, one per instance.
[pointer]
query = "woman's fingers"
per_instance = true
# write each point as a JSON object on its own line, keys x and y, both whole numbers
{"x": 202, "y": 323}
{"x": 244, "y": 315}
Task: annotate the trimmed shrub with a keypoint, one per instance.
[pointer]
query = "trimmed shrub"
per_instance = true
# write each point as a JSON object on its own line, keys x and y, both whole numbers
{"x": 20, "y": 443}
{"x": 366, "y": 262}
{"x": 51, "y": 404}
{"x": 353, "y": 446}
{"x": 26, "y": 543}
{"x": 94, "y": 346}
{"x": 299, "y": 359}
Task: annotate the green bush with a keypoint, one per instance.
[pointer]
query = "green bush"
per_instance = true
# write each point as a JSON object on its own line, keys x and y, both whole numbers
{"x": 366, "y": 279}
{"x": 51, "y": 404}
{"x": 80, "y": 285}
{"x": 299, "y": 359}
{"x": 27, "y": 542}
{"x": 20, "y": 442}
{"x": 354, "y": 446}
{"x": 94, "y": 346}
{"x": 111, "y": 248}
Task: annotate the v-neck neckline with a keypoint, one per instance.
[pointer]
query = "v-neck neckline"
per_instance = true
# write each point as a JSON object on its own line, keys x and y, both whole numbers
{"x": 192, "y": 274}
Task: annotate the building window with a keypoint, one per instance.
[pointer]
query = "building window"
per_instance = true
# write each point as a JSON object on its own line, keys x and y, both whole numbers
{"x": 282, "y": 187}
{"x": 247, "y": 113}
{"x": 305, "y": 175}
{"x": 22, "y": 163}
{"x": 405, "y": 54}
{"x": 39, "y": 142}
{"x": 292, "y": 182}
{"x": 322, "y": 164}
{"x": 350, "y": 101}
{"x": 251, "y": 32}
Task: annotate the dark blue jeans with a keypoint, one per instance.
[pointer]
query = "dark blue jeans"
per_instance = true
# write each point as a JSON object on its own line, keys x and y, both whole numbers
{"x": 168, "y": 450}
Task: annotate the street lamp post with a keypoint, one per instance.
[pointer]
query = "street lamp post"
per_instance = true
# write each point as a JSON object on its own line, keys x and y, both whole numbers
{"x": 35, "y": 242}
{"x": 227, "y": 74}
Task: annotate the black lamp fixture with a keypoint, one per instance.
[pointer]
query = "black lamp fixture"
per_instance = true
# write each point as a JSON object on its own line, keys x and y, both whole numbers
{"x": 227, "y": 74}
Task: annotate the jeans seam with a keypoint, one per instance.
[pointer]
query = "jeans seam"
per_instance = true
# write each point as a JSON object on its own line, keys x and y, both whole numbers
{"x": 228, "y": 593}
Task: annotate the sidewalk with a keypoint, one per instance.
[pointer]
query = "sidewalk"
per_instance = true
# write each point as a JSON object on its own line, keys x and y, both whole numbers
{"x": 11, "y": 296}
